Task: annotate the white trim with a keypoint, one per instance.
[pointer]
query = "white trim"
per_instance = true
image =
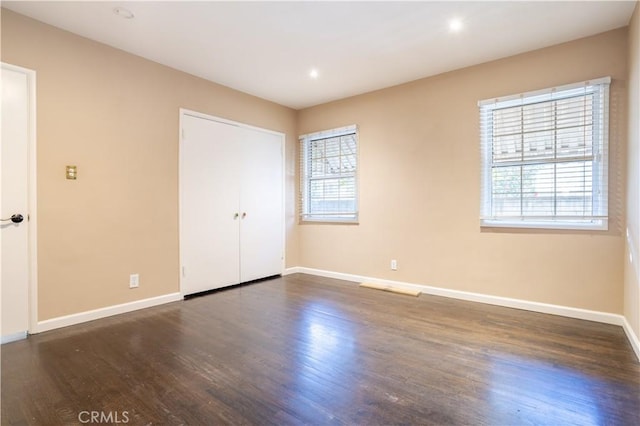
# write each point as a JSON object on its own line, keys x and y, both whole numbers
{"x": 108, "y": 311}
{"x": 33, "y": 205}
{"x": 308, "y": 217}
{"x": 596, "y": 225}
{"x": 633, "y": 338}
{"x": 13, "y": 337}
{"x": 32, "y": 196}
{"x": 340, "y": 131}
{"x": 283, "y": 154}
{"x": 596, "y": 81}
{"x": 185, "y": 111}
{"x": 545, "y": 308}
{"x": 294, "y": 270}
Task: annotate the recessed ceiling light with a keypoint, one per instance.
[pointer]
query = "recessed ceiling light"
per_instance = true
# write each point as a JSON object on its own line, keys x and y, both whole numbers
{"x": 455, "y": 25}
{"x": 123, "y": 13}
{"x": 314, "y": 73}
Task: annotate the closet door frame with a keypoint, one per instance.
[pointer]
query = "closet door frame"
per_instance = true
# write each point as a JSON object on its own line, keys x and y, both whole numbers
{"x": 186, "y": 112}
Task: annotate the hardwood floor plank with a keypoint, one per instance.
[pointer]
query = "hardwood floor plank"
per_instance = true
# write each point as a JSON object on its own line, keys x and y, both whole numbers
{"x": 308, "y": 350}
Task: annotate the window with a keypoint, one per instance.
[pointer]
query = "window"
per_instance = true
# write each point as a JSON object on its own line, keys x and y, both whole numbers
{"x": 545, "y": 158}
{"x": 329, "y": 170}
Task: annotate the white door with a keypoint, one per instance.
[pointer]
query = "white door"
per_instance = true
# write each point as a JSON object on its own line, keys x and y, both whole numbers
{"x": 209, "y": 205}
{"x": 261, "y": 204}
{"x": 231, "y": 204}
{"x": 14, "y": 235}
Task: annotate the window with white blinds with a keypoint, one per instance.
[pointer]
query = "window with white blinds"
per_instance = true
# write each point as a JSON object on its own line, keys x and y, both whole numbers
{"x": 545, "y": 158}
{"x": 329, "y": 171}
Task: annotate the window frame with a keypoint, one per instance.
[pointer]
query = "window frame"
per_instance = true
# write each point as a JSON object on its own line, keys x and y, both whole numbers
{"x": 305, "y": 179}
{"x": 600, "y": 159}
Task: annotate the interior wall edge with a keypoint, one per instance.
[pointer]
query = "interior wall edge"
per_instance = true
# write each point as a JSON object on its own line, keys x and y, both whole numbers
{"x": 631, "y": 269}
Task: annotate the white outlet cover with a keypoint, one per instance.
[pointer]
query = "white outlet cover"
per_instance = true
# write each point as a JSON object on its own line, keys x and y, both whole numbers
{"x": 134, "y": 280}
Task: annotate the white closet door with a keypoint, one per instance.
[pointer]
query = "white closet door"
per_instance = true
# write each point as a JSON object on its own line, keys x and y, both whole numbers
{"x": 261, "y": 205}
{"x": 209, "y": 191}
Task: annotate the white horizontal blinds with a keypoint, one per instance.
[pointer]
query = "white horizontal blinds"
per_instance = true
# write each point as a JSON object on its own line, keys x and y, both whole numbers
{"x": 329, "y": 169}
{"x": 545, "y": 155}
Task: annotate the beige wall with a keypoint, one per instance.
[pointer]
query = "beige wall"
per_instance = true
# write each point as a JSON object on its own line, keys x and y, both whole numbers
{"x": 115, "y": 116}
{"x": 632, "y": 282}
{"x": 419, "y": 186}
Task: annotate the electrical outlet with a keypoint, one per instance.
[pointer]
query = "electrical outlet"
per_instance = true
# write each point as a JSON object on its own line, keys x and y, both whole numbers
{"x": 134, "y": 280}
{"x": 394, "y": 265}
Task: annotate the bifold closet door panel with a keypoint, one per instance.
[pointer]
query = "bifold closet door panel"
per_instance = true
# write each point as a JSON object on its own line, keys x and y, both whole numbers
{"x": 209, "y": 191}
{"x": 261, "y": 205}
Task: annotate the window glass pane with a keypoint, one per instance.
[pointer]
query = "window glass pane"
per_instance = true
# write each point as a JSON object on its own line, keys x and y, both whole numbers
{"x": 506, "y": 191}
{"x": 537, "y": 117}
{"x": 507, "y": 121}
{"x": 575, "y": 111}
{"x": 538, "y": 144}
{"x": 348, "y": 188}
{"x": 574, "y": 141}
{"x": 332, "y": 147}
{"x": 538, "y": 190}
{"x": 348, "y": 152}
{"x": 317, "y": 167}
{"x": 574, "y": 188}
{"x": 507, "y": 148}
{"x": 317, "y": 149}
{"x": 332, "y": 195}
{"x": 317, "y": 161}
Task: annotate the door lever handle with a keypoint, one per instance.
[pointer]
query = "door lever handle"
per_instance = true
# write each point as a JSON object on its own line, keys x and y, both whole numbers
{"x": 244, "y": 214}
{"x": 235, "y": 216}
{"x": 15, "y": 218}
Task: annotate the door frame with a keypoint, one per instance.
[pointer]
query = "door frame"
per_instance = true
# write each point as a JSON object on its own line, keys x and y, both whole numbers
{"x": 283, "y": 149}
{"x": 32, "y": 198}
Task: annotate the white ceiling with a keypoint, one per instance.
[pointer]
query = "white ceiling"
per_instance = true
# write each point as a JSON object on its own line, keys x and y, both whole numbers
{"x": 268, "y": 48}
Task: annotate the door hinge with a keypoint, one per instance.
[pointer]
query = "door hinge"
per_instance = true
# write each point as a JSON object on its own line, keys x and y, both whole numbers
{"x": 184, "y": 272}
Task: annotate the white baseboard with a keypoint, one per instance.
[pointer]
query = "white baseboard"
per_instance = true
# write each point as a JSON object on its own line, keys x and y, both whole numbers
{"x": 13, "y": 337}
{"x": 565, "y": 311}
{"x": 108, "y": 311}
{"x": 293, "y": 270}
{"x": 633, "y": 338}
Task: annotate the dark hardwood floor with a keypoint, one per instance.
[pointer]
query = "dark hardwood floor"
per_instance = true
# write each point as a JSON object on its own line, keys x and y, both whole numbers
{"x": 308, "y": 350}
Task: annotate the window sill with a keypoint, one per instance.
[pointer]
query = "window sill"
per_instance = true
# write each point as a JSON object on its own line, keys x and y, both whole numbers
{"x": 599, "y": 225}
{"x": 329, "y": 220}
